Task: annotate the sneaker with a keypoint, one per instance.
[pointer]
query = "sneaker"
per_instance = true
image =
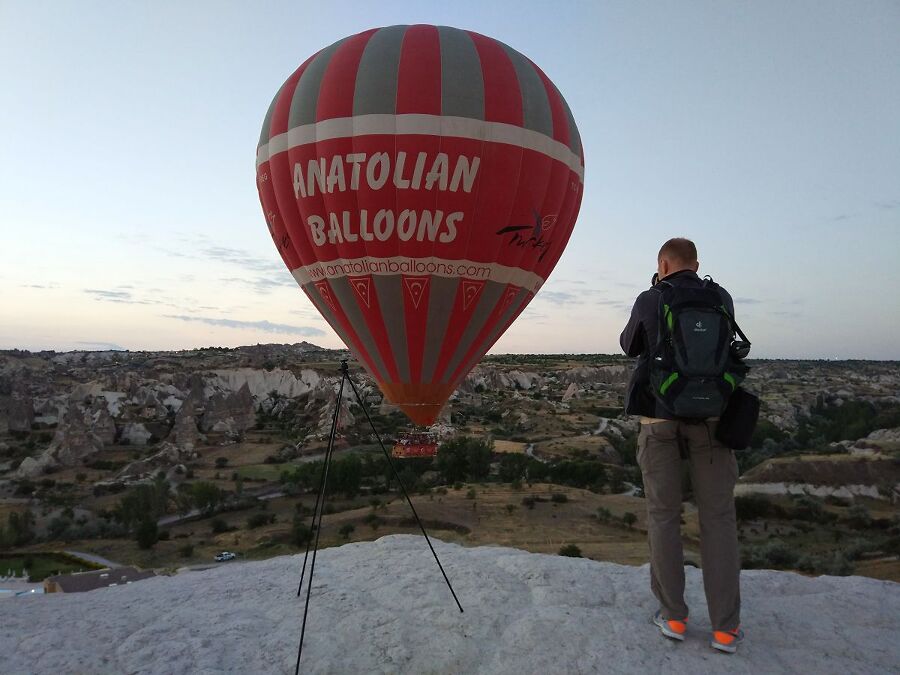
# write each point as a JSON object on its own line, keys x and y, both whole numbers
{"x": 727, "y": 640}
{"x": 671, "y": 628}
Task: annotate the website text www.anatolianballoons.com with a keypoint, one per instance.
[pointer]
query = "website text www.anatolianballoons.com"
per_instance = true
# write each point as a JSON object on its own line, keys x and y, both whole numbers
{"x": 398, "y": 265}
{"x": 424, "y": 266}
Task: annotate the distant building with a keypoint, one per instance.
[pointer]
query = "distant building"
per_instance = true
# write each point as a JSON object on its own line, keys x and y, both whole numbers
{"x": 89, "y": 581}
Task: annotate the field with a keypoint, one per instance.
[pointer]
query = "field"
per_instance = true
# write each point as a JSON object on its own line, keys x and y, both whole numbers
{"x": 41, "y": 565}
{"x": 472, "y": 515}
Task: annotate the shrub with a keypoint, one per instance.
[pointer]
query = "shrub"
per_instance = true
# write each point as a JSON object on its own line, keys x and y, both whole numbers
{"x": 604, "y": 515}
{"x": 147, "y": 534}
{"x": 811, "y": 509}
{"x": 186, "y": 551}
{"x": 301, "y": 533}
{"x": 629, "y": 519}
{"x": 858, "y": 516}
{"x": 570, "y": 551}
{"x": 839, "y": 566}
{"x": 259, "y": 520}
{"x": 373, "y": 521}
{"x": 346, "y": 530}
{"x": 471, "y": 494}
{"x": 219, "y": 526}
{"x": 774, "y": 554}
{"x": 510, "y": 508}
{"x": 528, "y": 502}
{"x": 559, "y": 498}
{"x": 752, "y": 507}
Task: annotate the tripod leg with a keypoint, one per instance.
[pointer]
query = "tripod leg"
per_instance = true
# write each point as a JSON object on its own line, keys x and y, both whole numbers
{"x": 320, "y": 496}
{"x": 405, "y": 493}
{"x": 321, "y": 503}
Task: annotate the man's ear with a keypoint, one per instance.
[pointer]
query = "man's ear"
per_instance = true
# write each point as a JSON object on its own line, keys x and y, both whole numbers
{"x": 696, "y": 265}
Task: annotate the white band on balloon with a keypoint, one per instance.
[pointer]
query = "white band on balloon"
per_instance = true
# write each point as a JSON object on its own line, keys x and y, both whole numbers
{"x": 431, "y": 266}
{"x": 429, "y": 125}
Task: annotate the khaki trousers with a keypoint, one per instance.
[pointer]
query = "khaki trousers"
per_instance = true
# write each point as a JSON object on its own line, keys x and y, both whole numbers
{"x": 713, "y": 472}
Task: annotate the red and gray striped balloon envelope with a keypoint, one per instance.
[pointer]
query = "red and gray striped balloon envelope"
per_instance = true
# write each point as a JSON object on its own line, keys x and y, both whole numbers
{"x": 420, "y": 183}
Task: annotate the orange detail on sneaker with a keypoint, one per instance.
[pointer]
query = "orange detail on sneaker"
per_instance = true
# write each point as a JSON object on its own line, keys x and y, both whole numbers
{"x": 727, "y": 640}
{"x": 678, "y": 626}
{"x": 671, "y": 628}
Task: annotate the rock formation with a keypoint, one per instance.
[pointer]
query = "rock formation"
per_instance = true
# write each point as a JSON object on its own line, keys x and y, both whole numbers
{"x": 72, "y": 444}
{"x": 20, "y": 413}
{"x": 185, "y": 434}
{"x": 167, "y": 459}
{"x": 231, "y": 414}
{"x": 101, "y": 422}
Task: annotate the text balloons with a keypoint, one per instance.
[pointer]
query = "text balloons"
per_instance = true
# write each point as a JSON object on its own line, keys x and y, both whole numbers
{"x": 420, "y": 183}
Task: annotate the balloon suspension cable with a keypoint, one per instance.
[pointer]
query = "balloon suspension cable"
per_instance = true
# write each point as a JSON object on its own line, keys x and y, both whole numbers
{"x": 319, "y": 511}
{"x": 319, "y": 508}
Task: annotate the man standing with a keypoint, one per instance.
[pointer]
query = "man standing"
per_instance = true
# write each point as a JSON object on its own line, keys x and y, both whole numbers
{"x": 664, "y": 441}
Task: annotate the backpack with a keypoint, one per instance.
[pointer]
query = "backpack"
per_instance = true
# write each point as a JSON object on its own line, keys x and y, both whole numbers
{"x": 694, "y": 368}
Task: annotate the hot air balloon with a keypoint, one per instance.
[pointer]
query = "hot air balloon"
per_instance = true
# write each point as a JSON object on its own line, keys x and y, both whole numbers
{"x": 420, "y": 183}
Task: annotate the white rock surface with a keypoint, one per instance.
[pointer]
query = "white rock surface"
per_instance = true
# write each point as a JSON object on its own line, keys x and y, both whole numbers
{"x": 262, "y": 382}
{"x": 382, "y": 607}
{"x": 135, "y": 433}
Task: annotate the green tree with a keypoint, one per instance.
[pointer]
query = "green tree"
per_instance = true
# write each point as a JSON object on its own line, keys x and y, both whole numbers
{"x": 147, "y": 533}
{"x": 345, "y": 475}
{"x": 629, "y": 519}
{"x": 147, "y": 501}
{"x": 346, "y": 530}
{"x": 512, "y": 467}
{"x": 464, "y": 458}
{"x": 20, "y": 527}
{"x": 206, "y": 496}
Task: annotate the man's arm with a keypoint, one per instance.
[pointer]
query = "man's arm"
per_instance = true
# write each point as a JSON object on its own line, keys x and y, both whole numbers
{"x": 632, "y": 338}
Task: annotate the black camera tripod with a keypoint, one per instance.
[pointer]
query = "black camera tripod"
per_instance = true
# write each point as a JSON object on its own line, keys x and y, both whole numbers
{"x": 319, "y": 509}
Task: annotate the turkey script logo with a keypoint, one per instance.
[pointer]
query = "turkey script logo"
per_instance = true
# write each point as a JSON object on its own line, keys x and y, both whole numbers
{"x": 531, "y": 235}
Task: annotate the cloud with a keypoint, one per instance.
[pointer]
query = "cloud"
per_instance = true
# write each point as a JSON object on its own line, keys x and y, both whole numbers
{"x": 266, "y": 326}
{"x": 619, "y": 304}
{"x": 108, "y": 295}
{"x": 40, "y": 286}
{"x": 889, "y": 204}
{"x": 234, "y": 256}
{"x": 123, "y": 297}
{"x": 747, "y": 301}
{"x": 103, "y": 346}
{"x": 264, "y": 284}
{"x": 559, "y": 297}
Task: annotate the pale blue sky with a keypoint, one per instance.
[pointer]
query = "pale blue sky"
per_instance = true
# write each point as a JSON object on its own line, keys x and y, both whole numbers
{"x": 769, "y": 132}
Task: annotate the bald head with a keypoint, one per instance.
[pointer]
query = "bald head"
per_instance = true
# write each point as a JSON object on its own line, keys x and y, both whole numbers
{"x": 676, "y": 255}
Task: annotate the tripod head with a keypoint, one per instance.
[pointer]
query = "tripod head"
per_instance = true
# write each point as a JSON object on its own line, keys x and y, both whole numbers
{"x": 344, "y": 369}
